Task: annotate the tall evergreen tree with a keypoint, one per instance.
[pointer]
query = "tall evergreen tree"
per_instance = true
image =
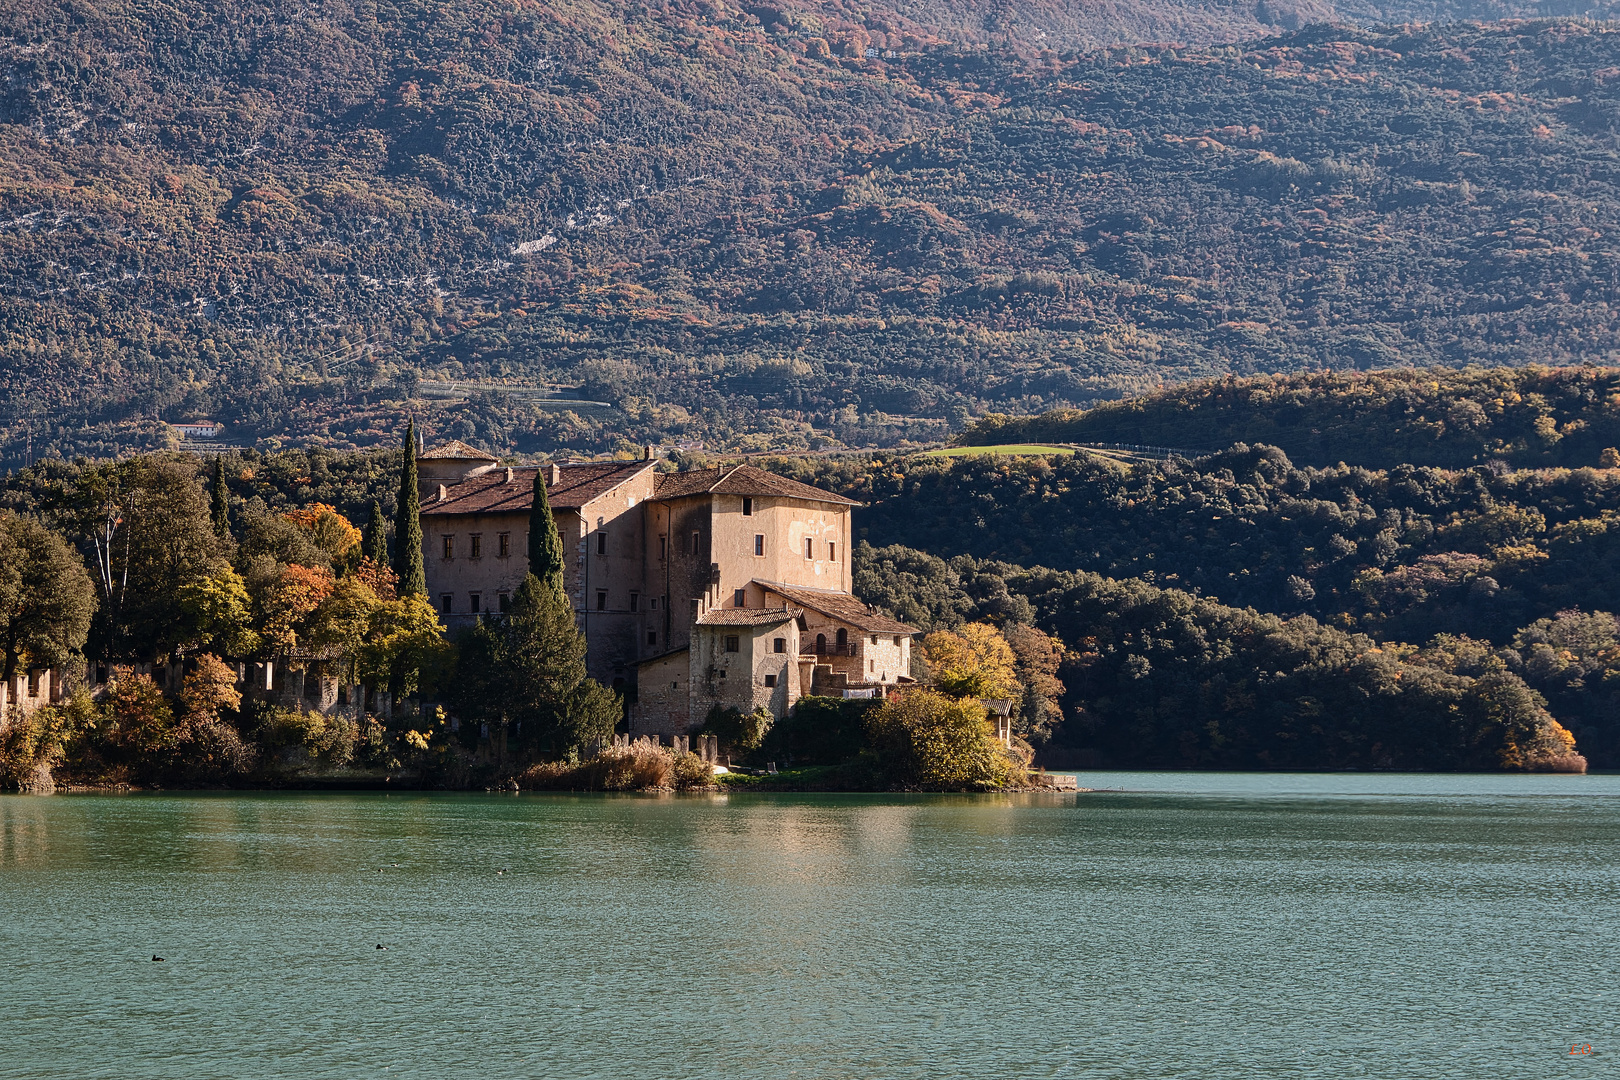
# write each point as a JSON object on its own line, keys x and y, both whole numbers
{"x": 376, "y": 548}
{"x": 221, "y": 506}
{"x": 408, "y": 525}
{"x": 545, "y": 546}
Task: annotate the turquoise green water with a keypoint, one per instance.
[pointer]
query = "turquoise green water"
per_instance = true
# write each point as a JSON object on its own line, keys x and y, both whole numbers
{"x": 1201, "y": 926}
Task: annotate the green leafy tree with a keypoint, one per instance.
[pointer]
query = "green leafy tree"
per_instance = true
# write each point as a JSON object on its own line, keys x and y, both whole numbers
{"x": 545, "y": 546}
{"x": 408, "y": 524}
{"x": 929, "y": 740}
{"x": 220, "y": 610}
{"x": 46, "y": 599}
{"x": 152, "y": 536}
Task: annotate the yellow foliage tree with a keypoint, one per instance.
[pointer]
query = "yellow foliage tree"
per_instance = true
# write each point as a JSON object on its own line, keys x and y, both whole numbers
{"x": 405, "y": 646}
{"x": 220, "y": 608}
{"x": 975, "y": 661}
{"x": 332, "y": 532}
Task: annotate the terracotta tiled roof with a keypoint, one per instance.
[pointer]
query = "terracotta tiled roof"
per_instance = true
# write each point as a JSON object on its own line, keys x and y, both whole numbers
{"x": 733, "y": 616}
{"x": 489, "y": 492}
{"x": 741, "y": 480}
{"x": 454, "y": 450}
{"x": 842, "y": 607}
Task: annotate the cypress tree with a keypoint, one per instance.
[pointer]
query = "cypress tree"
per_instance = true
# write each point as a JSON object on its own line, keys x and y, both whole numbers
{"x": 408, "y": 525}
{"x": 376, "y": 536}
{"x": 221, "y": 510}
{"x": 545, "y": 546}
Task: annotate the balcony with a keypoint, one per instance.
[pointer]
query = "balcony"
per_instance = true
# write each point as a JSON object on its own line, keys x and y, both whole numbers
{"x": 826, "y": 648}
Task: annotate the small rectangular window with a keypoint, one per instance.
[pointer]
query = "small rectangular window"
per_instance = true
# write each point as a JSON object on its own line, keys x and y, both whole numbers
{"x": 652, "y": 637}
{"x": 695, "y": 543}
{"x": 770, "y": 680}
{"x": 476, "y": 548}
{"x": 779, "y": 645}
{"x": 444, "y": 603}
{"x": 809, "y": 548}
{"x": 503, "y": 545}
{"x": 739, "y": 598}
{"x": 874, "y": 639}
{"x": 505, "y": 602}
{"x": 748, "y": 507}
{"x": 652, "y": 604}
{"x": 475, "y": 602}
{"x": 635, "y": 601}
{"x": 449, "y": 547}
{"x": 732, "y": 643}
{"x": 897, "y": 639}
{"x": 832, "y": 551}
{"x": 601, "y": 542}
{"x": 759, "y": 543}
{"x": 601, "y": 600}
{"x": 663, "y": 547}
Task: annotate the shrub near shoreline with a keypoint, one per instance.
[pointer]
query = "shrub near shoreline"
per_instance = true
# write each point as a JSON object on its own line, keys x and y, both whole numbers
{"x": 929, "y": 740}
{"x": 638, "y": 767}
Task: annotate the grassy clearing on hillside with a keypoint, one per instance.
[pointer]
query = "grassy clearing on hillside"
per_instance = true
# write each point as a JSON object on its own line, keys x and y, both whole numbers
{"x": 1014, "y": 449}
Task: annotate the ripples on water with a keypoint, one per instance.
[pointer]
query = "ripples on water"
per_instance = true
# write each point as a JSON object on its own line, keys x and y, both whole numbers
{"x": 1193, "y": 925}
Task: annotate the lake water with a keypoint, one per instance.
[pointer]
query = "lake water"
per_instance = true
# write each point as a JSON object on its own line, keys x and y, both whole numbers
{"x": 1191, "y": 925}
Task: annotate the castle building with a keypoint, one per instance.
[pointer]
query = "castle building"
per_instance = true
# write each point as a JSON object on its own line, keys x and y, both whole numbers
{"x": 726, "y": 587}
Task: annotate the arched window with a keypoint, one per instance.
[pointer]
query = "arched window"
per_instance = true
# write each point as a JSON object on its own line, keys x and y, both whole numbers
{"x": 843, "y": 639}
{"x": 821, "y": 644}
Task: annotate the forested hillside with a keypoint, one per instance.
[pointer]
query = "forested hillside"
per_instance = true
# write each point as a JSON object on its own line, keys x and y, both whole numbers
{"x": 1524, "y": 417}
{"x": 732, "y": 224}
{"x": 1405, "y": 553}
{"x": 1161, "y": 678}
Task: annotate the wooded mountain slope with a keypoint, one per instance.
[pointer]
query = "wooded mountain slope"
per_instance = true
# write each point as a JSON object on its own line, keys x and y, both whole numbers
{"x": 733, "y": 225}
{"x": 1526, "y": 417}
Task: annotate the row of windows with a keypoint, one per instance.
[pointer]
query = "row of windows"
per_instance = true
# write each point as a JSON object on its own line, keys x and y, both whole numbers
{"x": 475, "y": 603}
{"x": 696, "y": 547}
{"x": 759, "y": 547}
{"x": 734, "y": 644}
{"x": 475, "y": 545}
{"x": 503, "y": 544}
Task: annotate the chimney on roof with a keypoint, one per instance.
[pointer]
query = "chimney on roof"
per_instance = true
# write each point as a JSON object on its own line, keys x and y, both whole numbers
{"x": 647, "y": 453}
{"x": 509, "y": 474}
{"x": 553, "y": 474}
{"x": 443, "y": 494}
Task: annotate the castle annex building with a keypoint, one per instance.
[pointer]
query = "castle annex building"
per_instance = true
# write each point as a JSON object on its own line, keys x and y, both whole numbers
{"x": 725, "y": 587}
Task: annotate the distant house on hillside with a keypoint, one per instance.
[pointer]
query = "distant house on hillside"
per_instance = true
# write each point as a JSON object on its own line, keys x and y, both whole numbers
{"x": 726, "y": 587}
{"x": 199, "y": 429}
